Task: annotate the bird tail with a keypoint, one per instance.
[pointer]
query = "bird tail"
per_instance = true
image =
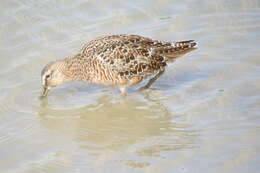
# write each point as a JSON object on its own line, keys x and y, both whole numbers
{"x": 177, "y": 49}
{"x": 180, "y": 48}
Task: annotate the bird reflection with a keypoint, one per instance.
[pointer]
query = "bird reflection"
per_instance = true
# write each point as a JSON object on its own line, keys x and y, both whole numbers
{"x": 140, "y": 125}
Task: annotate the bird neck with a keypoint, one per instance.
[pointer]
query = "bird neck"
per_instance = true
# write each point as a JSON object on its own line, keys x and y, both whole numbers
{"x": 76, "y": 69}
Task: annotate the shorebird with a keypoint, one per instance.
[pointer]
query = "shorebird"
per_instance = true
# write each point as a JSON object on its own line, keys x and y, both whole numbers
{"x": 118, "y": 61}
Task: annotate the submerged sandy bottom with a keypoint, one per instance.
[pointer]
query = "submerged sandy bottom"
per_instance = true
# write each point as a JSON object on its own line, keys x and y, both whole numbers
{"x": 202, "y": 115}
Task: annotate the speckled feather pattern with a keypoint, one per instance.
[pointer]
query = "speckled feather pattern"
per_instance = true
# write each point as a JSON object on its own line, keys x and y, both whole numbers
{"x": 117, "y": 60}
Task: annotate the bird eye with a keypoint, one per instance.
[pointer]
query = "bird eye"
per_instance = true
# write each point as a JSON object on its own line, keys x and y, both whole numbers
{"x": 48, "y": 76}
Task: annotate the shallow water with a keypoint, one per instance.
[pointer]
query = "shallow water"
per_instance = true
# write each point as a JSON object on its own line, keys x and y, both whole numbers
{"x": 202, "y": 115}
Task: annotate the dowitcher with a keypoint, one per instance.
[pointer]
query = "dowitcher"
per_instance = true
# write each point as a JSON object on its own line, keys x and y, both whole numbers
{"x": 116, "y": 60}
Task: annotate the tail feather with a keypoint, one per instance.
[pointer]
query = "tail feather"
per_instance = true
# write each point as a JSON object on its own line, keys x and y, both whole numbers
{"x": 190, "y": 43}
{"x": 176, "y": 50}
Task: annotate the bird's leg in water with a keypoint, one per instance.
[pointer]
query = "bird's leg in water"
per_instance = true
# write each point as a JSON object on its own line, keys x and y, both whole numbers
{"x": 151, "y": 81}
{"x": 123, "y": 90}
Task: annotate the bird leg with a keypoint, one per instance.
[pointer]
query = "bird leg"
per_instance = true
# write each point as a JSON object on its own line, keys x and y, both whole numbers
{"x": 151, "y": 81}
{"x": 123, "y": 90}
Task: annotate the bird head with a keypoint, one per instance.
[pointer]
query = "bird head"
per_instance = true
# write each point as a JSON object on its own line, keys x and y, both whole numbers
{"x": 52, "y": 75}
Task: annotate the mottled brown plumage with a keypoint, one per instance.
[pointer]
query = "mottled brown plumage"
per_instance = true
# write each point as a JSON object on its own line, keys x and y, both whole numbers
{"x": 116, "y": 60}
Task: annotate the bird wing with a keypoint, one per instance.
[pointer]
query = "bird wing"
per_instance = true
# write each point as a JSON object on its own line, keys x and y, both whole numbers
{"x": 127, "y": 55}
{"x": 133, "y": 55}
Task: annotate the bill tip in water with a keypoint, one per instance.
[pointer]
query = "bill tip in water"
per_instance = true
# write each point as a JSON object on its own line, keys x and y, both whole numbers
{"x": 41, "y": 97}
{"x": 45, "y": 91}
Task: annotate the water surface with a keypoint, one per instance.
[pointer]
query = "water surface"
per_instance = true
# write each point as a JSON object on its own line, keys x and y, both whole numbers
{"x": 202, "y": 115}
